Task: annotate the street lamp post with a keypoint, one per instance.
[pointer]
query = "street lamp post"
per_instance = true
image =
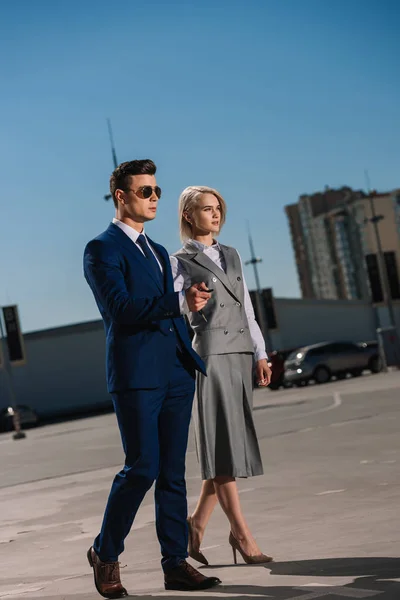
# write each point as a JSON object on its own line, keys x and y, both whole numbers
{"x": 259, "y": 297}
{"x": 375, "y": 219}
{"x": 113, "y": 153}
{"x": 7, "y": 368}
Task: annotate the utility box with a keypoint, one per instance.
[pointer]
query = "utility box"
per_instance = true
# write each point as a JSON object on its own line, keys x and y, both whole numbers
{"x": 389, "y": 343}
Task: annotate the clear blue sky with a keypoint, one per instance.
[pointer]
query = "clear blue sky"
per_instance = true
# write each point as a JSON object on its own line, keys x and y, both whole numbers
{"x": 262, "y": 99}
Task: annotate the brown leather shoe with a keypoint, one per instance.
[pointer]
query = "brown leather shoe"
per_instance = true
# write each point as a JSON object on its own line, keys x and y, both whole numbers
{"x": 106, "y": 577}
{"x": 187, "y": 578}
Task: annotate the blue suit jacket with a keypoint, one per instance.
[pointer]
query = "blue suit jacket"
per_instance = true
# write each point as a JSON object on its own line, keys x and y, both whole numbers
{"x": 140, "y": 318}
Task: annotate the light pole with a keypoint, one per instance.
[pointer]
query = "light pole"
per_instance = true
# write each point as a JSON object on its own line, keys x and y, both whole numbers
{"x": 113, "y": 153}
{"x": 7, "y": 368}
{"x": 387, "y": 297}
{"x": 259, "y": 296}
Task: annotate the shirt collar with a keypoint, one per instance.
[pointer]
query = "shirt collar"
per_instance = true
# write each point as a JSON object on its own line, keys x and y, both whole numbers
{"x": 199, "y": 246}
{"x": 130, "y": 232}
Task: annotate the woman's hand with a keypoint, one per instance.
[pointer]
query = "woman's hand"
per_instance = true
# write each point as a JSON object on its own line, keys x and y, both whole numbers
{"x": 197, "y": 297}
{"x": 263, "y": 373}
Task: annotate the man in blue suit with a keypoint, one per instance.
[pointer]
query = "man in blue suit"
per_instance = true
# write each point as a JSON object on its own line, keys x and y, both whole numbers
{"x": 150, "y": 368}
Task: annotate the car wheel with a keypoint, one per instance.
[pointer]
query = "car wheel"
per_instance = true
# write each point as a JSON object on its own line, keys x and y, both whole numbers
{"x": 375, "y": 364}
{"x": 322, "y": 375}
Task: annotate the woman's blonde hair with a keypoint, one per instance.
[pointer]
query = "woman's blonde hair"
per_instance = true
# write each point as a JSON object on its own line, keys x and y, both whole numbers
{"x": 188, "y": 200}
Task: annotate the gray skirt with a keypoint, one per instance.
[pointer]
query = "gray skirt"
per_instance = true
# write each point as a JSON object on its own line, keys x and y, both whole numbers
{"x": 226, "y": 440}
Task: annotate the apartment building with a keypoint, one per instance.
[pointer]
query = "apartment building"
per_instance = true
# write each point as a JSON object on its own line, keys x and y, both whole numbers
{"x": 335, "y": 247}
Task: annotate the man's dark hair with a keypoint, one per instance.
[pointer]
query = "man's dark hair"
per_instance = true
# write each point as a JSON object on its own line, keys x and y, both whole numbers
{"x": 120, "y": 178}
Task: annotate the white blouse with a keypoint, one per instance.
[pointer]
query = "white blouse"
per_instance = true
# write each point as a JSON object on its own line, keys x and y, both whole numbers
{"x": 182, "y": 282}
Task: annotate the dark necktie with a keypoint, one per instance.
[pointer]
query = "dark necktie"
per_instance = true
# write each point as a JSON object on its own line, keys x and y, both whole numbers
{"x": 153, "y": 264}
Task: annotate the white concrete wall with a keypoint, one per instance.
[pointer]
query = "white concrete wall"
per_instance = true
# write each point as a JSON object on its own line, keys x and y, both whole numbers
{"x": 303, "y": 322}
{"x": 65, "y": 370}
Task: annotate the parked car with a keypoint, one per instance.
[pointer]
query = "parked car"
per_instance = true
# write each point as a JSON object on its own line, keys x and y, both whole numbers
{"x": 319, "y": 362}
{"x": 276, "y": 362}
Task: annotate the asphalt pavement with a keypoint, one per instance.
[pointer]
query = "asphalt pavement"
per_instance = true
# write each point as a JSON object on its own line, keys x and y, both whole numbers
{"x": 327, "y": 507}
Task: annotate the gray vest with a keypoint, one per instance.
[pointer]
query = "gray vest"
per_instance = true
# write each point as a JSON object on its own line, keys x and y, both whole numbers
{"x": 226, "y": 330}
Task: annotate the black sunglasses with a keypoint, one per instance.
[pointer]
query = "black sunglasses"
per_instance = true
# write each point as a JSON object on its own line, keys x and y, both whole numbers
{"x": 146, "y": 191}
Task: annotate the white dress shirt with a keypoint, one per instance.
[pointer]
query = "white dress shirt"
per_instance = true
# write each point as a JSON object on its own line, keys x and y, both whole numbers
{"x": 133, "y": 235}
{"x": 182, "y": 282}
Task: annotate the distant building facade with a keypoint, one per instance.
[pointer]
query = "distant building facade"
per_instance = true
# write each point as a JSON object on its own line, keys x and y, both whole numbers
{"x": 335, "y": 247}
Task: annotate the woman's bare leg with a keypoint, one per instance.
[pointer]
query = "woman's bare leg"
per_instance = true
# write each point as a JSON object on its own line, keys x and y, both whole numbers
{"x": 203, "y": 511}
{"x": 224, "y": 490}
{"x": 228, "y": 497}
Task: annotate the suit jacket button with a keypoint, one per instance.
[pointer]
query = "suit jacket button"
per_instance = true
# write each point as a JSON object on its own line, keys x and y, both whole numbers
{"x": 222, "y": 305}
{"x": 238, "y": 304}
{"x": 242, "y": 331}
{"x": 239, "y": 278}
{"x": 171, "y": 329}
{"x": 214, "y": 279}
{"x": 226, "y": 332}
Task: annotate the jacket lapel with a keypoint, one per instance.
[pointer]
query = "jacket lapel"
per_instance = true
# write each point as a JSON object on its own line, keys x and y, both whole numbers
{"x": 232, "y": 262}
{"x": 123, "y": 240}
{"x": 206, "y": 262}
{"x": 166, "y": 265}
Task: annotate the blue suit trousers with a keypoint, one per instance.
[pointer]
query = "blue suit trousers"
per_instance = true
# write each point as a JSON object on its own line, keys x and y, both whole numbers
{"x": 154, "y": 425}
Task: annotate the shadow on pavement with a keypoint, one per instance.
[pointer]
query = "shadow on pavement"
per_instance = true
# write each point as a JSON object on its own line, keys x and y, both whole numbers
{"x": 379, "y": 567}
{"x": 360, "y": 588}
{"x": 373, "y": 576}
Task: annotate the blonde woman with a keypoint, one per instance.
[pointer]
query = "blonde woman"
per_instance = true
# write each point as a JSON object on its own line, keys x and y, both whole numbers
{"x": 227, "y": 337}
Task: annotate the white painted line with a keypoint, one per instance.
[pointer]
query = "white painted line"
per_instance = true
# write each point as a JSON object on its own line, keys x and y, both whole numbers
{"x": 337, "y": 401}
{"x": 330, "y": 492}
{"x": 24, "y": 589}
{"x": 211, "y": 547}
{"x": 246, "y": 490}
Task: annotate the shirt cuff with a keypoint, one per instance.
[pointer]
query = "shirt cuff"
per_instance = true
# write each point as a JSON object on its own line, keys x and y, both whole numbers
{"x": 182, "y": 303}
{"x": 260, "y": 355}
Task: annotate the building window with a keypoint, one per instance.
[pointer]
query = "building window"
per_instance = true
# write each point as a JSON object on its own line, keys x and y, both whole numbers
{"x": 392, "y": 274}
{"x": 374, "y": 278}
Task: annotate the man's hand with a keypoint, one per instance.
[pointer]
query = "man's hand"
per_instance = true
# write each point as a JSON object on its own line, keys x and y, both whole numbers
{"x": 197, "y": 297}
{"x": 263, "y": 373}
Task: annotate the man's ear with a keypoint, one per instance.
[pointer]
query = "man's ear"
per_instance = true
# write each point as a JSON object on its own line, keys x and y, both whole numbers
{"x": 120, "y": 196}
